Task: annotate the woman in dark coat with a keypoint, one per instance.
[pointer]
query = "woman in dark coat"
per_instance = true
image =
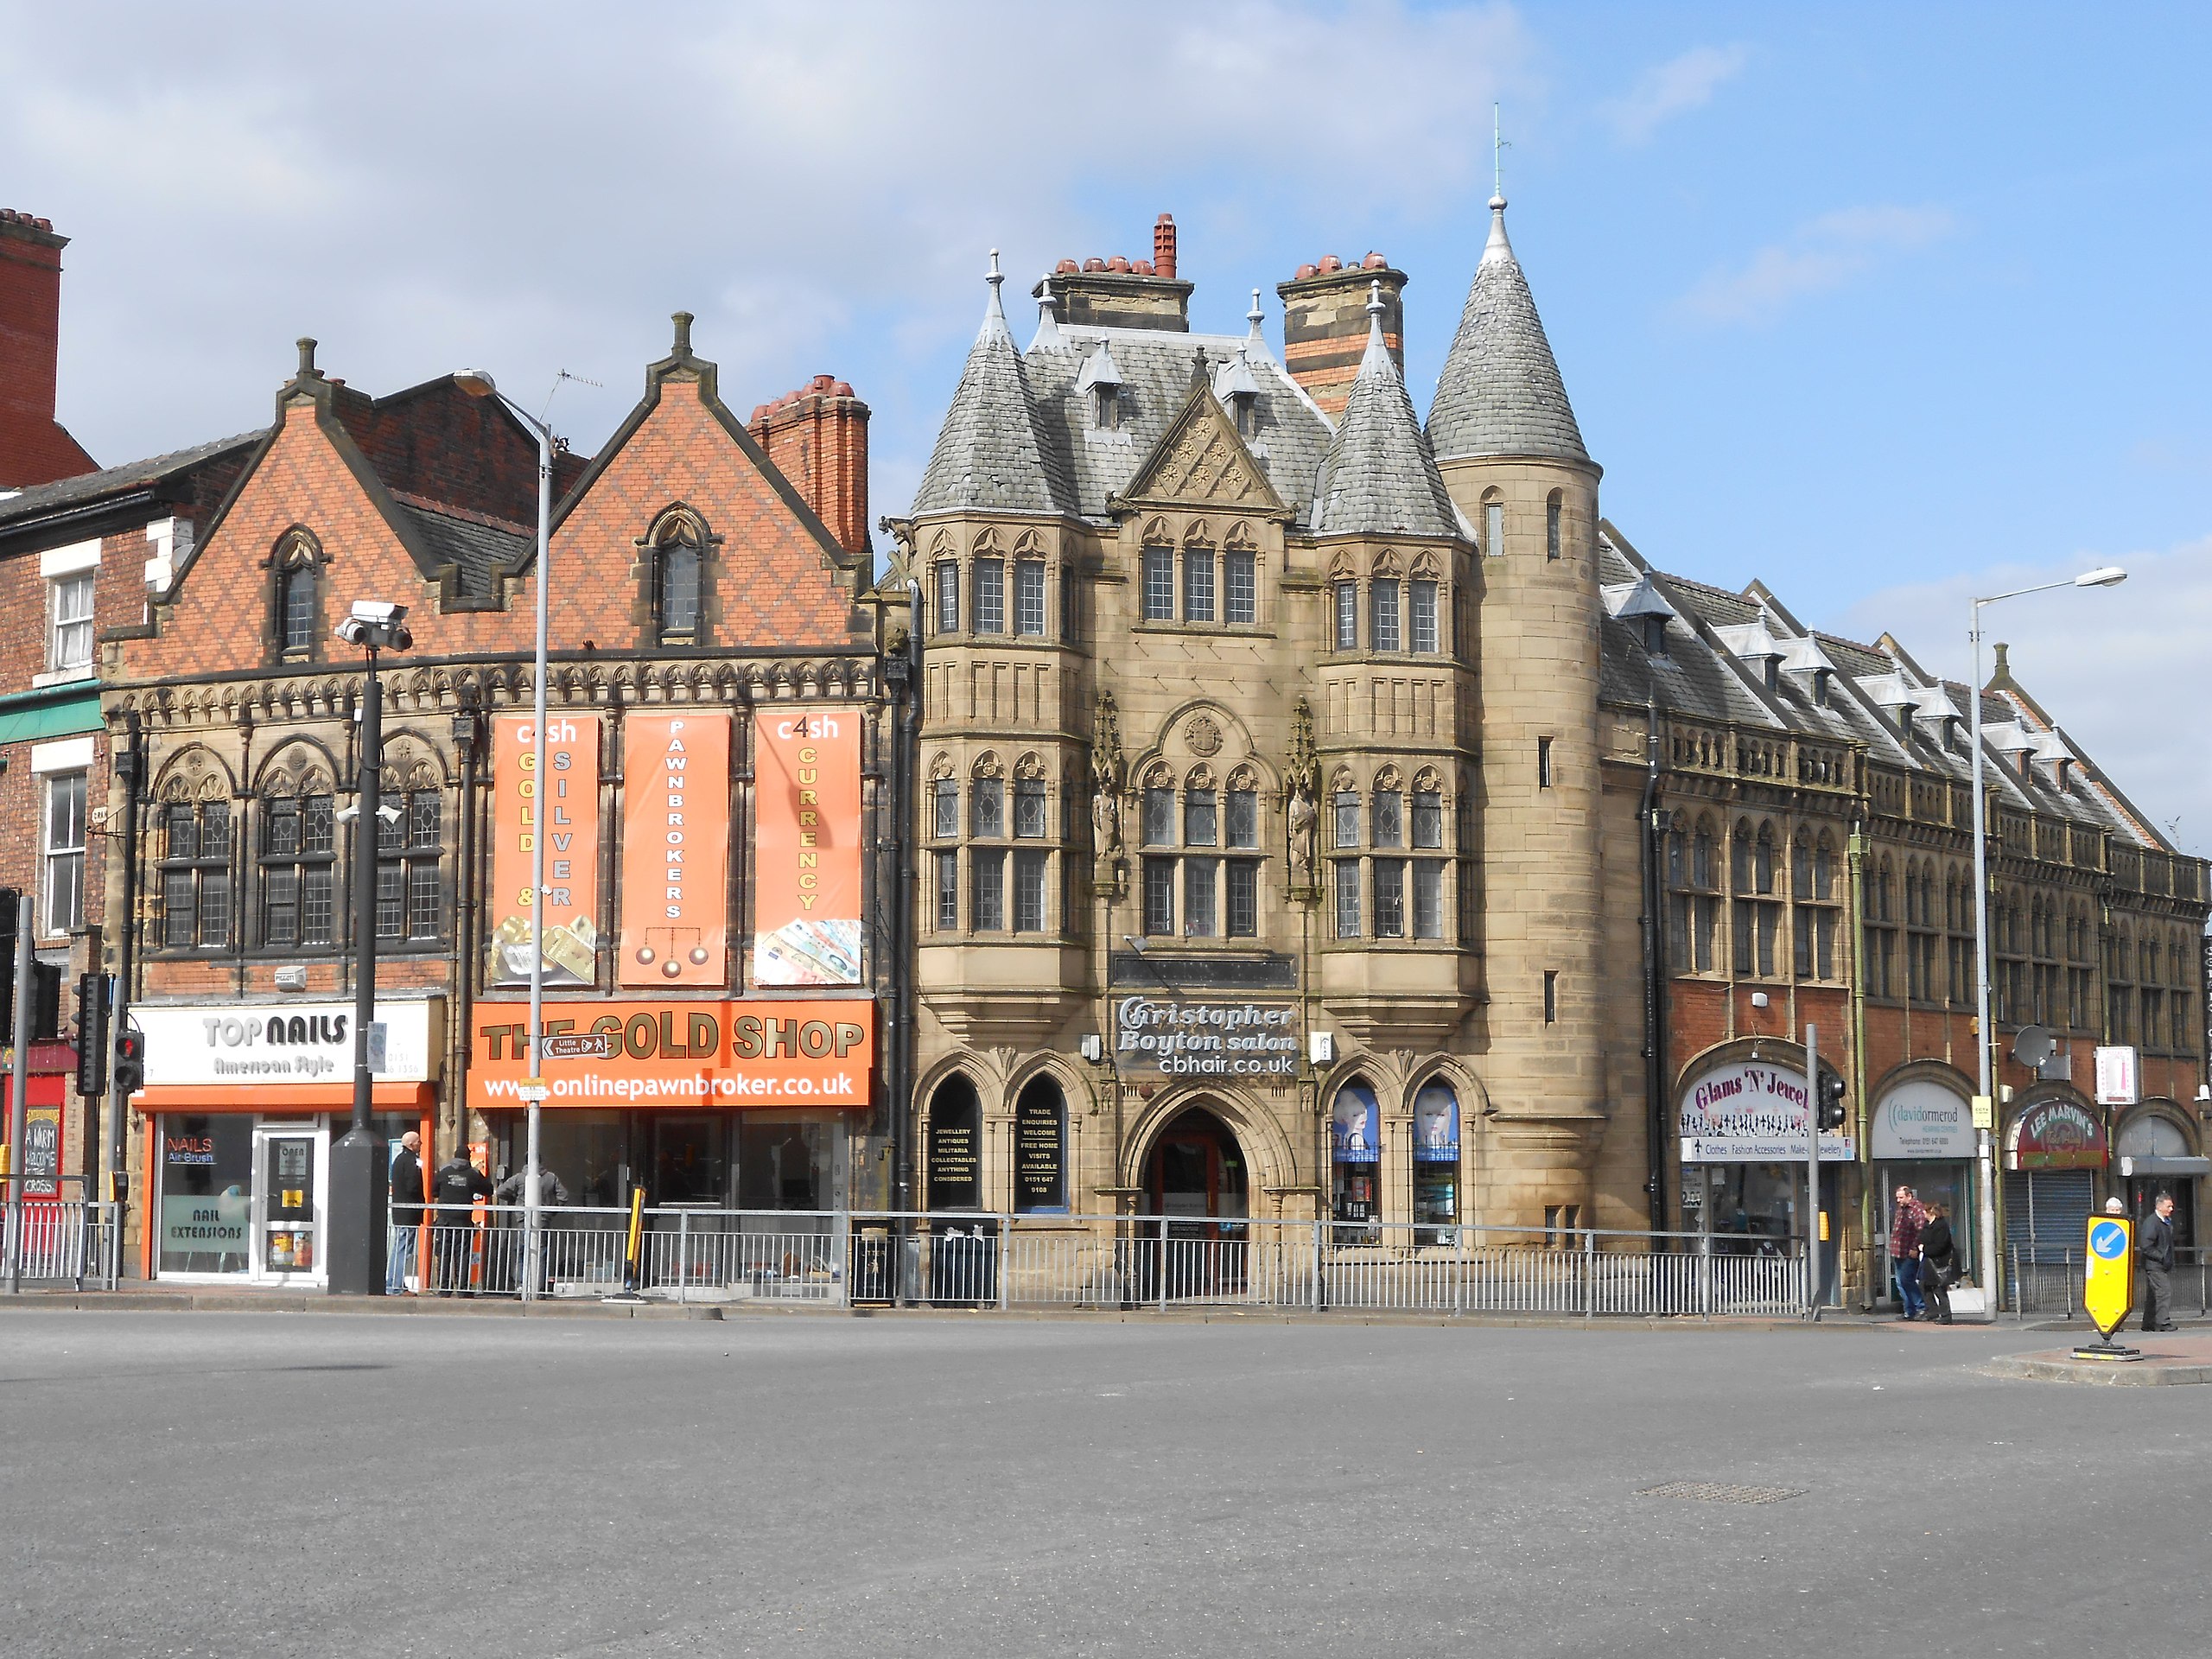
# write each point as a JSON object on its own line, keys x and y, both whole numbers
{"x": 1939, "y": 1262}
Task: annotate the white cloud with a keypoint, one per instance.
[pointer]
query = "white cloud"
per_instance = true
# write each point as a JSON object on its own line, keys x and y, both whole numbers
{"x": 1673, "y": 88}
{"x": 1824, "y": 253}
{"x": 2125, "y": 670}
{"x": 420, "y": 185}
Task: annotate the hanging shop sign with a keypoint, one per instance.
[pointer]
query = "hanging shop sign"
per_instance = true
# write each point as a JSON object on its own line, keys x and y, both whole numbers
{"x": 1195, "y": 1036}
{"x": 565, "y": 806}
{"x": 724, "y": 1056}
{"x": 1356, "y": 1126}
{"x": 2055, "y": 1135}
{"x": 2119, "y": 1076}
{"x": 806, "y": 848}
{"x": 1436, "y": 1125}
{"x": 675, "y": 849}
{"x": 1921, "y": 1122}
{"x": 1751, "y": 1112}
{"x": 252, "y": 1045}
{"x": 1041, "y": 1178}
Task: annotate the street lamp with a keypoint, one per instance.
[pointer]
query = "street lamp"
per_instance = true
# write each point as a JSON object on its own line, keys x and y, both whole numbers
{"x": 2110, "y": 575}
{"x": 360, "y": 1172}
{"x": 478, "y": 383}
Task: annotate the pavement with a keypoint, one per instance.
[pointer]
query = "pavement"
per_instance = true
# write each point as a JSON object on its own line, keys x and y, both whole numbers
{"x": 248, "y": 1483}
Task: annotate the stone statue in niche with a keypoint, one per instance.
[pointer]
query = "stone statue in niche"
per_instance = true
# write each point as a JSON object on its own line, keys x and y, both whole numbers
{"x": 1302, "y": 814}
{"x": 1105, "y": 822}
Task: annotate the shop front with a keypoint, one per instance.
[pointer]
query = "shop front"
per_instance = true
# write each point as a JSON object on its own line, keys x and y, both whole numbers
{"x": 1921, "y": 1135}
{"x": 726, "y": 1104}
{"x": 2159, "y": 1152}
{"x": 1743, "y": 1124}
{"x": 242, "y": 1101}
{"x": 2055, "y": 1148}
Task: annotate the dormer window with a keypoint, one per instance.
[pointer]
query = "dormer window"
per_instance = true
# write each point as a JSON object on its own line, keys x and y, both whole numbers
{"x": 1821, "y": 687}
{"x": 1105, "y": 408}
{"x": 1654, "y": 633}
{"x": 1244, "y": 409}
{"x": 1099, "y": 381}
{"x": 1770, "y": 673}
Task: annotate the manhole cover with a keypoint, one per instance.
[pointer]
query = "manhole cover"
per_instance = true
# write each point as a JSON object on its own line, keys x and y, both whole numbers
{"x": 1714, "y": 1491}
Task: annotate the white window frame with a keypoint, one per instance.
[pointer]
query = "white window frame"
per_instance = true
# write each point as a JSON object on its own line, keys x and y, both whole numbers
{"x": 54, "y": 857}
{"x": 61, "y": 568}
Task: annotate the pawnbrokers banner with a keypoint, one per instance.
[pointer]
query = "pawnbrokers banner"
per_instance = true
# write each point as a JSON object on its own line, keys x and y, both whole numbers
{"x": 723, "y": 1056}
{"x": 566, "y": 809}
{"x": 806, "y": 848}
{"x": 674, "y": 849}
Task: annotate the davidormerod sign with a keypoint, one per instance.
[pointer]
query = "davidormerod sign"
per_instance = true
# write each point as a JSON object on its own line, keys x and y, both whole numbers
{"x": 247, "y": 1045}
{"x": 1172, "y": 1036}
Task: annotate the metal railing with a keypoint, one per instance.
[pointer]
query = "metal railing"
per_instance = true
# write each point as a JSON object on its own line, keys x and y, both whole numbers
{"x": 63, "y": 1240}
{"x": 997, "y": 1261}
{"x": 2048, "y": 1281}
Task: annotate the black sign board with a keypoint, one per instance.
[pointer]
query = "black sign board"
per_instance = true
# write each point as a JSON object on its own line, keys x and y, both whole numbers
{"x": 955, "y": 1160}
{"x": 1139, "y": 970}
{"x": 1041, "y": 1175}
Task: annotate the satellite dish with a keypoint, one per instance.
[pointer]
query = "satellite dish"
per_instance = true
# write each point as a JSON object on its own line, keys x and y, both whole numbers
{"x": 2034, "y": 1045}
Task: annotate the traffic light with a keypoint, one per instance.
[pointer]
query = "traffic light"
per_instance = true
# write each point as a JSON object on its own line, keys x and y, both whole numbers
{"x": 46, "y": 1001}
{"x": 93, "y": 1035}
{"x": 1831, "y": 1093}
{"x": 130, "y": 1061}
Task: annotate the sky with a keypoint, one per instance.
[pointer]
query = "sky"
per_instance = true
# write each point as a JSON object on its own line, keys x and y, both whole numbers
{"x": 1890, "y": 306}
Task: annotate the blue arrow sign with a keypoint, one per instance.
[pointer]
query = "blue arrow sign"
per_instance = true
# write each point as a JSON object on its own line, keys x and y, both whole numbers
{"x": 2108, "y": 1239}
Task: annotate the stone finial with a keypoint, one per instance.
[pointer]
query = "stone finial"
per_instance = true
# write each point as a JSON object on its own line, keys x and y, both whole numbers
{"x": 683, "y": 345}
{"x": 307, "y": 370}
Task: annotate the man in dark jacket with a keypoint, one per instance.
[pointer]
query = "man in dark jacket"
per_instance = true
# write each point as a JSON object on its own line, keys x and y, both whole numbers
{"x": 406, "y": 1213}
{"x": 458, "y": 1185}
{"x": 2155, "y": 1250}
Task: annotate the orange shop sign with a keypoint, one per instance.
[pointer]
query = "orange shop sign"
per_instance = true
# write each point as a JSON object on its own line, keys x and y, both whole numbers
{"x": 675, "y": 849}
{"x": 720, "y": 1056}
{"x": 567, "y": 810}
{"x": 807, "y": 847}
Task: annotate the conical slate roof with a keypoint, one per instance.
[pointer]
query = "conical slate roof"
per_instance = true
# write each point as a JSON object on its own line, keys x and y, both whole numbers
{"x": 1500, "y": 393}
{"x": 987, "y": 456}
{"x": 1379, "y": 477}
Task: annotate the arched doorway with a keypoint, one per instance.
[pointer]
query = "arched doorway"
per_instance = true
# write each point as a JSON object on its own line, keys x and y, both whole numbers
{"x": 1197, "y": 1192}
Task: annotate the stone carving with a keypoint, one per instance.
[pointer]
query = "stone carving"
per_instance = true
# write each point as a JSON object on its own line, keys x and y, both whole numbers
{"x": 1303, "y": 776}
{"x": 1106, "y": 777}
{"x": 1302, "y": 815}
{"x": 1203, "y": 735}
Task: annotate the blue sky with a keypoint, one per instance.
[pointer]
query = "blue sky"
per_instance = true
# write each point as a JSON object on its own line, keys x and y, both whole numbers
{"x": 1888, "y": 305}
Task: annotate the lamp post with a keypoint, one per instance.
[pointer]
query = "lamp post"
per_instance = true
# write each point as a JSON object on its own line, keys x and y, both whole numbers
{"x": 478, "y": 383}
{"x": 360, "y": 1171}
{"x": 2107, "y": 576}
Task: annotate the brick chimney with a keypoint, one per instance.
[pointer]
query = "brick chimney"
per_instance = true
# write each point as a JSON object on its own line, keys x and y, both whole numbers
{"x": 1325, "y": 324}
{"x": 817, "y": 437}
{"x": 34, "y": 449}
{"x": 1122, "y": 292}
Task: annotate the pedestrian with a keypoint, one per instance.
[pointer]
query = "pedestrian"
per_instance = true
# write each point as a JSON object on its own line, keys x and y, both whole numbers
{"x": 2156, "y": 1250}
{"x": 2114, "y": 1207}
{"x": 1906, "y": 1219}
{"x": 458, "y": 1185}
{"x": 1939, "y": 1261}
{"x": 406, "y": 1214}
{"x": 550, "y": 1192}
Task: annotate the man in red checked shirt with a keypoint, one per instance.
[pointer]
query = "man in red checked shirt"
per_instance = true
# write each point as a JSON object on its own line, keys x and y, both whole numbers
{"x": 1907, "y": 1219}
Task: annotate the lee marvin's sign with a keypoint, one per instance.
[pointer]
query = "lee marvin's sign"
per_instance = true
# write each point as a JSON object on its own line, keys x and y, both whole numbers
{"x": 251, "y": 1044}
{"x": 1185, "y": 1037}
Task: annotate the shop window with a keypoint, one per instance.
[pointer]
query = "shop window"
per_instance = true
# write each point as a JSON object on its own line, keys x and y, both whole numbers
{"x": 1346, "y": 597}
{"x": 1029, "y": 596}
{"x": 206, "y": 1186}
{"x": 1384, "y": 619}
{"x": 987, "y": 596}
{"x": 62, "y": 859}
{"x": 947, "y": 892}
{"x": 196, "y": 875}
{"x": 987, "y": 807}
{"x": 1436, "y": 1163}
{"x": 69, "y": 623}
{"x": 1355, "y": 1153}
{"x": 1041, "y": 1175}
{"x": 944, "y": 808}
{"x": 1029, "y": 891}
{"x": 785, "y": 1165}
{"x": 948, "y": 597}
{"x": 1240, "y": 587}
{"x": 1421, "y": 595}
{"x": 1159, "y": 584}
{"x": 1029, "y": 808}
{"x": 1159, "y": 896}
{"x": 1198, "y": 584}
{"x": 1243, "y": 898}
{"x": 987, "y": 890}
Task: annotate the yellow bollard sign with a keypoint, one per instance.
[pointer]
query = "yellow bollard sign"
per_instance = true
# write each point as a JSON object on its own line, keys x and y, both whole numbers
{"x": 2109, "y": 1276}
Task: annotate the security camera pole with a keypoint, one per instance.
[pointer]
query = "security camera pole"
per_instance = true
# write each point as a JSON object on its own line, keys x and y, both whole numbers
{"x": 361, "y": 1169}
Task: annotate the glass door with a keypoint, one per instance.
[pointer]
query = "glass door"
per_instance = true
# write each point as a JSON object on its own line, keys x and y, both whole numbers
{"x": 290, "y": 1189}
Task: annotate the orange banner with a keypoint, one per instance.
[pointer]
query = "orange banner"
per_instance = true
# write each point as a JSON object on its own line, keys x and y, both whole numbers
{"x": 571, "y": 822}
{"x": 675, "y": 849}
{"x": 806, "y": 848}
{"x": 725, "y": 1055}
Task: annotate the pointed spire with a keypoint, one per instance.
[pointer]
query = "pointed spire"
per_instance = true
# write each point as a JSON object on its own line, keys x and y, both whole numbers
{"x": 1500, "y": 393}
{"x": 1255, "y": 338}
{"x": 1048, "y": 315}
{"x": 1379, "y": 477}
{"x": 990, "y": 454}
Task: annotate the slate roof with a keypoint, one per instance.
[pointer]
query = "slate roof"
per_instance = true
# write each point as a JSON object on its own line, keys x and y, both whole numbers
{"x": 478, "y": 548}
{"x": 1500, "y": 393}
{"x": 989, "y": 455}
{"x": 1379, "y": 476}
{"x": 114, "y": 480}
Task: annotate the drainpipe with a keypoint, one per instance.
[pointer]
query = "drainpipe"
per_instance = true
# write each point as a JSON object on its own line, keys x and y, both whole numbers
{"x": 1655, "y": 1062}
{"x": 465, "y": 942}
{"x": 904, "y": 767}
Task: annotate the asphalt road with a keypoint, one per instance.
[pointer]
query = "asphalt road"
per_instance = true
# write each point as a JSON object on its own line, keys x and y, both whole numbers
{"x": 304, "y": 1485}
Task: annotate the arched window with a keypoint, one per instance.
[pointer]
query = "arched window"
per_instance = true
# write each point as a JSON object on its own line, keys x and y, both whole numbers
{"x": 1436, "y": 1162}
{"x": 675, "y": 590}
{"x": 1763, "y": 859}
{"x": 1494, "y": 525}
{"x": 297, "y": 600}
{"x": 955, "y": 1163}
{"x": 299, "y": 867}
{"x": 195, "y": 873}
{"x": 1739, "y": 860}
{"x": 1552, "y": 549}
{"x": 1040, "y": 1170}
{"x": 1356, "y": 1153}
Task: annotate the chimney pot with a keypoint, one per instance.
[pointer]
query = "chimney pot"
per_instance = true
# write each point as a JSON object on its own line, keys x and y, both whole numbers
{"x": 1373, "y": 262}
{"x": 1329, "y": 262}
{"x": 1143, "y": 268}
{"x": 1119, "y": 262}
{"x": 1066, "y": 266}
{"x": 1163, "y": 245}
{"x": 1094, "y": 264}
{"x": 1304, "y": 271}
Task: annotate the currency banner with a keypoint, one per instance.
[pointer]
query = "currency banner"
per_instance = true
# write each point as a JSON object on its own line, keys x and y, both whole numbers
{"x": 806, "y": 848}
{"x": 675, "y": 849}
{"x": 569, "y": 819}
